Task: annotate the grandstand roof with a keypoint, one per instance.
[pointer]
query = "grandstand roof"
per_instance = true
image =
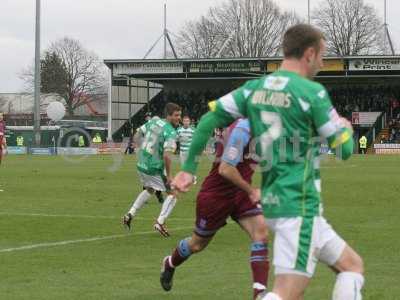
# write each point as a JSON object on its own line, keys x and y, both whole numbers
{"x": 187, "y": 68}
{"x": 113, "y": 61}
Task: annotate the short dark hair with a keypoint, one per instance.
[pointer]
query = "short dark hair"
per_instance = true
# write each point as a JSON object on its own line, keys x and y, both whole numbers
{"x": 299, "y": 38}
{"x": 186, "y": 117}
{"x": 170, "y": 108}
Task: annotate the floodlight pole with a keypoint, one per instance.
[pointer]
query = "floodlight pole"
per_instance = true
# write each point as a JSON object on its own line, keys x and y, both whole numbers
{"x": 308, "y": 11}
{"x": 167, "y": 39}
{"x": 386, "y": 34}
{"x": 36, "y": 114}
{"x": 109, "y": 113}
{"x": 384, "y": 26}
{"x": 384, "y": 11}
{"x": 165, "y": 31}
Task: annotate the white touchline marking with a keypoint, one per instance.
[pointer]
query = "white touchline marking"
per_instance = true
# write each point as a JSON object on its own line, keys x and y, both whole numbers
{"x": 53, "y": 215}
{"x": 339, "y": 166}
{"x": 94, "y": 239}
{"x": 27, "y": 247}
{"x": 82, "y": 216}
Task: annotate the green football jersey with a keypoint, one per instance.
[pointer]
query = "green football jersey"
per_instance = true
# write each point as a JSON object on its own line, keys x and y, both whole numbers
{"x": 288, "y": 115}
{"x": 185, "y": 136}
{"x": 159, "y": 136}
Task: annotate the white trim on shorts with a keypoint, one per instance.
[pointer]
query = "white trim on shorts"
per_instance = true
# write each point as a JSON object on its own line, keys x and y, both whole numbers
{"x": 325, "y": 245}
{"x": 152, "y": 181}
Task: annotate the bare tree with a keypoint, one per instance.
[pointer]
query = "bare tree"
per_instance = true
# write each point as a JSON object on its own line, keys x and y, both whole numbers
{"x": 85, "y": 74}
{"x": 200, "y": 39}
{"x": 351, "y": 27}
{"x": 243, "y": 28}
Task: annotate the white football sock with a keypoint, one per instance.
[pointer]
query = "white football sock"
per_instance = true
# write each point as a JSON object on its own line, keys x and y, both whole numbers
{"x": 271, "y": 296}
{"x": 348, "y": 286}
{"x": 139, "y": 202}
{"x": 166, "y": 209}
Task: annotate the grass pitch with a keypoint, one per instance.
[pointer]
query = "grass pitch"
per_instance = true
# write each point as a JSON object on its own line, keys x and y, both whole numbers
{"x": 61, "y": 236}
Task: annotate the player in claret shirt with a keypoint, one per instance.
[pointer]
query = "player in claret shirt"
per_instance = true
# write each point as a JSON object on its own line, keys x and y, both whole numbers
{"x": 227, "y": 192}
{"x": 289, "y": 114}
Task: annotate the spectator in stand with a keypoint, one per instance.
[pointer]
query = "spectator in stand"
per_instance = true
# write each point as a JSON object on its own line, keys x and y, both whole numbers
{"x": 347, "y": 98}
{"x": 351, "y": 98}
{"x": 393, "y": 133}
{"x": 395, "y": 106}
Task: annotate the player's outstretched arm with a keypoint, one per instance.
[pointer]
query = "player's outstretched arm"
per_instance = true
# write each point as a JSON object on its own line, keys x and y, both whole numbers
{"x": 204, "y": 130}
{"x": 222, "y": 113}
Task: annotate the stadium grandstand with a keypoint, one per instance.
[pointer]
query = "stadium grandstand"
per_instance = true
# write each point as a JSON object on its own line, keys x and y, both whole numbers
{"x": 365, "y": 89}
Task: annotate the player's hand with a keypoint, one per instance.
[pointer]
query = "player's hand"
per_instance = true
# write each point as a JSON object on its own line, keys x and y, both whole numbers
{"x": 182, "y": 181}
{"x": 255, "y": 195}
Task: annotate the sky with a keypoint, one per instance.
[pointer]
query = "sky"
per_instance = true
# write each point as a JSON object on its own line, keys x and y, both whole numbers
{"x": 113, "y": 29}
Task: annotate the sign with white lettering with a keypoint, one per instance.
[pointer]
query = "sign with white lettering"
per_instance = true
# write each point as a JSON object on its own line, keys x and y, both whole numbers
{"x": 148, "y": 68}
{"x": 225, "y": 67}
{"x": 364, "y": 118}
{"x": 374, "y": 64}
{"x": 387, "y": 148}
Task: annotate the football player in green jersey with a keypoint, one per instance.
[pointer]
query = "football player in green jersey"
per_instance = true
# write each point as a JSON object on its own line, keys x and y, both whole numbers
{"x": 138, "y": 138}
{"x": 185, "y": 135}
{"x": 289, "y": 114}
{"x": 154, "y": 165}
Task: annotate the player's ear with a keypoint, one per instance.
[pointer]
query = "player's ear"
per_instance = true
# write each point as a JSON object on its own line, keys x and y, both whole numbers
{"x": 309, "y": 54}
